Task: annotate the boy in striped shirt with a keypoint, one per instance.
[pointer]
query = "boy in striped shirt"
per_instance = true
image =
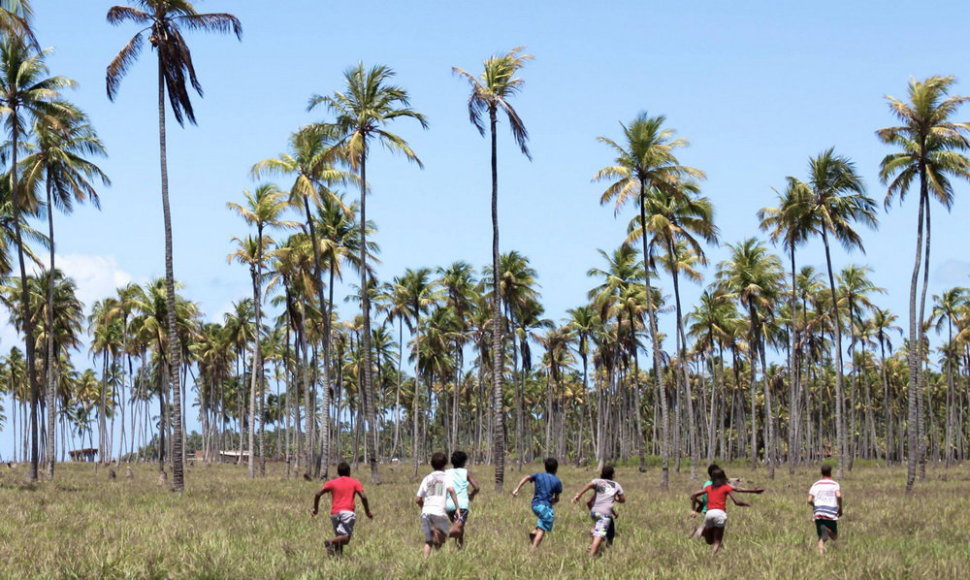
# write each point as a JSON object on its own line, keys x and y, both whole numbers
{"x": 825, "y": 497}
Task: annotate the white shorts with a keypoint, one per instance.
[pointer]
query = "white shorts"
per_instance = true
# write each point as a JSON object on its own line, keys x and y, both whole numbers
{"x": 715, "y": 519}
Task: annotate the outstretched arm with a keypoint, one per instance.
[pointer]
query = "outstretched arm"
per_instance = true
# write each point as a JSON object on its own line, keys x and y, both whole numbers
{"x": 750, "y": 490}
{"x": 583, "y": 491}
{"x": 515, "y": 492}
{"x": 736, "y": 501}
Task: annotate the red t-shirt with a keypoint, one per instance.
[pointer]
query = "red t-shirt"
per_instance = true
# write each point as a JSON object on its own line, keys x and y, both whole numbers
{"x": 342, "y": 489}
{"x": 717, "y": 496}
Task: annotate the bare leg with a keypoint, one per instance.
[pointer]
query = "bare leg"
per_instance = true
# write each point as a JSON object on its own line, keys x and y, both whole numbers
{"x": 426, "y": 550}
{"x": 595, "y": 546}
{"x": 718, "y": 538}
{"x": 539, "y": 533}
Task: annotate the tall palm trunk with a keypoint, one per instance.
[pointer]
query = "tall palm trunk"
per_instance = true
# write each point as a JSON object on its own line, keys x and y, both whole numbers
{"x": 655, "y": 343}
{"x": 313, "y": 466}
{"x": 367, "y": 386}
{"x": 51, "y": 365}
{"x": 914, "y": 350}
{"x": 837, "y": 326}
{"x": 25, "y": 302}
{"x": 793, "y": 413}
{"x": 922, "y": 343}
{"x": 682, "y": 355}
{"x": 174, "y": 350}
{"x": 498, "y": 411}
{"x": 254, "y": 375}
{"x": 753, "y": 385}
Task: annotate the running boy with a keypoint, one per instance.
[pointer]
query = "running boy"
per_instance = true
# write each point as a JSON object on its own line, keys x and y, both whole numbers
{"x": 606, "y": 493}
{"x": 343, "y": 498}
{"x": 715, "y": 520}
{"x": 461, "y": 480}
{"x": 825, "y": 497}
{"x": 431, "y": 499}
{"x": 547, "y": 490}
{"x": 700, "y": 504}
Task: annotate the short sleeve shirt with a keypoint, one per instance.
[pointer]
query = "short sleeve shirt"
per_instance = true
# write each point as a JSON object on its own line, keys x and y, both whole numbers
{"x": 459, "y": 480}
{"x": 342, "y": 490}
{"x": 826, "y": 503}
{"x": 434, "y": 490}
{"x": 606, "y": 492}
{"x": 547, "y": 486}
{"x": 717, "y": 496}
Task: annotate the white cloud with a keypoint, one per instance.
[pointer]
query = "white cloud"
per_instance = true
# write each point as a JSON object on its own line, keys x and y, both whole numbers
{"x": 96, "y": 276}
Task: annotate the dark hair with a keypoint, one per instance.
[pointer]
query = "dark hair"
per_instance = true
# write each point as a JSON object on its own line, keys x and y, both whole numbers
{"x": 458, "y": 459}
{"x": 826, "y": 470}
{"x": 711, "y": 468}
{"x": 552, "y": 466}
{"x": 343, "y": 469}
{"x": 607, "y": 472}
{"x": 439, "y": 461}
{"x": 718, "y": 477}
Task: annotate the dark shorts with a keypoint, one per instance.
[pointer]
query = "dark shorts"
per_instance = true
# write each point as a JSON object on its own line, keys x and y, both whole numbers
{"x": 831, "y": 525}
{"x": 459, "y": 515}
{"x": 430, "y": 522}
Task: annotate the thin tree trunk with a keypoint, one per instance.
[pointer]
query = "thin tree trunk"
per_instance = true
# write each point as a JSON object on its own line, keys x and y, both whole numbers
{"x": 837, "y": 329}
{"x": 367, "y": 390}
{"x": 174, "y": 348}
{"x": 498, "y": 410}
{"x": 655, "y": 343}
{"x": 913, "y": 350}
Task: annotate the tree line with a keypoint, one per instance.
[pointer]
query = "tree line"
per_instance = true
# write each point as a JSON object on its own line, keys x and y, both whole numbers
{"x": 776, "y": 362}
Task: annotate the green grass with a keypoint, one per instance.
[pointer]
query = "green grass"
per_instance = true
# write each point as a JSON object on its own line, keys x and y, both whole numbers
{"x": 85, "y": 526}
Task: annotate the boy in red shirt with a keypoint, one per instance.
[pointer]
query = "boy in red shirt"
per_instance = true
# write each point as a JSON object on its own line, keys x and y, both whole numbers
{"x": 343, "y": 491}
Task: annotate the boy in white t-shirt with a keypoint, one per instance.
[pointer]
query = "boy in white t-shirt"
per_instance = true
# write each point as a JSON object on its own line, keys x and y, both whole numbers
{"x": 601, "y": 510}
{"x": 825, "y": 497}
{"x": 431, "y": 498}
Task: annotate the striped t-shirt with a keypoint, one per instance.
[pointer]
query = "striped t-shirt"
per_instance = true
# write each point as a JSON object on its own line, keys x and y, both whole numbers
{"x": 826, "y": 503}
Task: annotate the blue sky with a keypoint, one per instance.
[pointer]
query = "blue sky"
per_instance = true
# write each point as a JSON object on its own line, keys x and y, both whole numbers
{"x": 757, "y": 87}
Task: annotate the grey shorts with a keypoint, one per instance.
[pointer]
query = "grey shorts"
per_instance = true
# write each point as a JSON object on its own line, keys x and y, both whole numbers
{"x": 430, "y": 522}
{"x": 343, "y": 523}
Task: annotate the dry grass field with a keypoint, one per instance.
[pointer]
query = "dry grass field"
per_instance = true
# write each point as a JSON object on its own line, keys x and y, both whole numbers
{"x": 226, "y": 526}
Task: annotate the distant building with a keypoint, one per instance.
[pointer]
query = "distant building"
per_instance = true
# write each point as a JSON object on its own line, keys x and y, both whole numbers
{"x": 83, "y": 455}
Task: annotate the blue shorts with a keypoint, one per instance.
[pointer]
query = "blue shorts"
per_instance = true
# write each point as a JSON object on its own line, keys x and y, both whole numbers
{"x": 546, "y": 515}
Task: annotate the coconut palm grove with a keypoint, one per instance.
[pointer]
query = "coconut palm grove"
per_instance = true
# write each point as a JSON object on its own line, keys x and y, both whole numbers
{"x": 686, "y": 324}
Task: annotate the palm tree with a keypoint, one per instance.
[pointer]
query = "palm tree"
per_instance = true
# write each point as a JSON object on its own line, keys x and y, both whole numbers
{"x": 883, "y": 324}
{"x": 59, "y": 163}
{"x": 930, "y": 147}
{"x": 947, "y": 309}
{"x": 491, "y": 92}
{"x": 646, "y": 161}
{"x": 838, "y": 199}
{"x": 15, "y": 20}
{"x": 676, "y": 220}
{"x": 26, "y": 92}
{"x": 263, "y": 208}
{"x": 163, "y": 21}
{"x": 312, "y": 160}
{"x": 416, "y": 292}
{"x": 753, "y": 276}
{"x": 789, "y": 224}
{"x": 362, "y": 112}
